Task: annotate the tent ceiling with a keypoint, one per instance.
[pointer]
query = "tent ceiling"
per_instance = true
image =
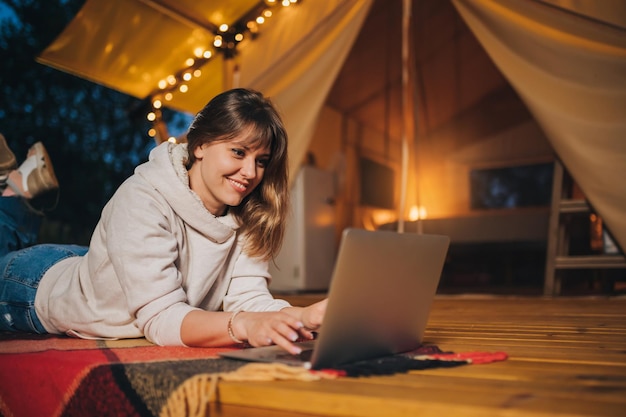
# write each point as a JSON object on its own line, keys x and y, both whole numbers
{"x": 132, "y": 45}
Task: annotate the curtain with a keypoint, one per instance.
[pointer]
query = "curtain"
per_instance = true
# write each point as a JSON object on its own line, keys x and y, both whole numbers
{"x": 567, "y": 61}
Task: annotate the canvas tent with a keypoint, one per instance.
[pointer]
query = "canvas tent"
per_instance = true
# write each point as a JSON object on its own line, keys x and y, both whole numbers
{"x": 566, "y": 59}
{"x": 131, "y": 45}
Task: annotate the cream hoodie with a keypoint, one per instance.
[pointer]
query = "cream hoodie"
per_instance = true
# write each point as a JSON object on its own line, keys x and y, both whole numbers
{"x": 155, "y": 255}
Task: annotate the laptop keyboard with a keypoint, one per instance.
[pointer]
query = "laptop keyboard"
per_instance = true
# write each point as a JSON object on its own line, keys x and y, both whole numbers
{"x": 304, "y": 356}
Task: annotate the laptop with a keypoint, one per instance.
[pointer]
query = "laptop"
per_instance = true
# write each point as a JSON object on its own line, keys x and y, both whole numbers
{"x": 379, "y": 299}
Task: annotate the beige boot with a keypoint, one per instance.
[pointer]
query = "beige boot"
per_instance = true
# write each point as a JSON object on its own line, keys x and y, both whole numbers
{"x": 36, "y": 174}
{"x": 7, "y": 160}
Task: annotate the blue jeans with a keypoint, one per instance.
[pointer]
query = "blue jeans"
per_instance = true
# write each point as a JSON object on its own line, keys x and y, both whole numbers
{"x": 23, "y": 264}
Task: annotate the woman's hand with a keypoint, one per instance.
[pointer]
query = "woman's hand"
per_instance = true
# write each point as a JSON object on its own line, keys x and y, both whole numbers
{"x": 313, "y": 315}
{"x": 281, "y": 327}
{"x": 266, "y": 328}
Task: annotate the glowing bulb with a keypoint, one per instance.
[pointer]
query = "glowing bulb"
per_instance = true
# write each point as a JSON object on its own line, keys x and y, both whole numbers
{"x": 239, "y": 37}
{"x": 183, "y": 88}
{"x": 267, "y": 13}
{"x": 171, "y": 139}
{"x": 168, "y": 96}
{"x": 151, "y": 116}
{"x": 207, "y": 54}
{"x": 152, "y": 132}
{"x": 171, "y": 80}
{"x": 197, "y": 73}
{"x": 223, "y": 27}
{"x": 189, "y": 62}
{"x": 217, "y": 42}
{"x": 187, "y": 76}
{"x": 260, "y": 20}
{"x": 157, "y": 104}
{"x": 162, "y": 84}
{"x": 198, "y": 52}
{"x": 417, "y": 213}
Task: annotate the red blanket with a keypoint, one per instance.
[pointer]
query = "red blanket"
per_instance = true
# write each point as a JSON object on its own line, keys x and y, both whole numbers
{"x": 55, "y": 376}
{"x": 60, "y": 376}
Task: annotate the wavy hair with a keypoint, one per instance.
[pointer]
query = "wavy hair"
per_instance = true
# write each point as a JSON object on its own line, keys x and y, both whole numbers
{"x": 263, "y": 212}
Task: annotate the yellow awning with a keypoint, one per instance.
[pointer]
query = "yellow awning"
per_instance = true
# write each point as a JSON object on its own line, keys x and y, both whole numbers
{"x": 133, "y": 45}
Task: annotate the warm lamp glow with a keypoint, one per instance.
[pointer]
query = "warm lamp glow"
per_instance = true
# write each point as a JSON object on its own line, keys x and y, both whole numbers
{"x": 381, "y": 217}
{"x": 417, "y": 213}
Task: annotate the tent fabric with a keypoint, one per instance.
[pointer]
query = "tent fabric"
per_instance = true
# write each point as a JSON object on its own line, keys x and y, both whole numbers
{"x": 130, "y": 45}
{"x": 567, "y": 61}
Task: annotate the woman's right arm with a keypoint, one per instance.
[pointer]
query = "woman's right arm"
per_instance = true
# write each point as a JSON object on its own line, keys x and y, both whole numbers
{"x": 210, "y": 329}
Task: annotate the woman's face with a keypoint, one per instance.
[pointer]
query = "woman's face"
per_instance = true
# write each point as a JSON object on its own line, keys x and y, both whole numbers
{"x": 225, "y": 172}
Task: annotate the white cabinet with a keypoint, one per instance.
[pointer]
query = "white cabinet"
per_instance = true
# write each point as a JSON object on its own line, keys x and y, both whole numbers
{"x": 307, "y": 257}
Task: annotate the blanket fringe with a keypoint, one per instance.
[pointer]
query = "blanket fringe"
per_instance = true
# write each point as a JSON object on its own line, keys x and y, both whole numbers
{"x": 193, "y": 397}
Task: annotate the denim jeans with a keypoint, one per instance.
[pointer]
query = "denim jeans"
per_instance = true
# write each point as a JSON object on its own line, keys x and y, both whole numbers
{"x": 23, "y": 264}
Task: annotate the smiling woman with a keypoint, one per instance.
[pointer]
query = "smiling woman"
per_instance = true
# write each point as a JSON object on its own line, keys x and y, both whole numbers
{"x": 189, "y": 234}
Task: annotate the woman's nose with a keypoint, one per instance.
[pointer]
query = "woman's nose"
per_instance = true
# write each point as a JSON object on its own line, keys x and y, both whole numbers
{"x": 248, "y": 169}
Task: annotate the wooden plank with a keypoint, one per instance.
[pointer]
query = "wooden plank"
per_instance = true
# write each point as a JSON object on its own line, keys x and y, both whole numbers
{"x": 369, "y": 397}
{"x": 567, "y": 357}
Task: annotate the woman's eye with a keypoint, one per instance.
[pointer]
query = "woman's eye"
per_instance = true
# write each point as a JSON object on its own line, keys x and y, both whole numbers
{"x": 262, "y": 162}
{"x": 238, "y": 152}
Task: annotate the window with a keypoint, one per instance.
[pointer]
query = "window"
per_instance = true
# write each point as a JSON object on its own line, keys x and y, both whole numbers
{"x": 511, "y": 187}
{"x": 377, "y": 184}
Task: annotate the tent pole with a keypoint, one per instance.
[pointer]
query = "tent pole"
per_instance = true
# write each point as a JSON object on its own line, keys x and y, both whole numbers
{"x": 407, "y": 110}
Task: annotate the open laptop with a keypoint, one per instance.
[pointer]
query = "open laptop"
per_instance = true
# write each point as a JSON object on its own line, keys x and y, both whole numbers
{"x": 379, "y": 300}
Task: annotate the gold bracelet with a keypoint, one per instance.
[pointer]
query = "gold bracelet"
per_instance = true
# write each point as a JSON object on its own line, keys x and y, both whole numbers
{"x": 230, "y": 328}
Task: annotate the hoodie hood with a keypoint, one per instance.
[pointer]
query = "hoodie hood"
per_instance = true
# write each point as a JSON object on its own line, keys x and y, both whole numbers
{"x": 166, "y": 172}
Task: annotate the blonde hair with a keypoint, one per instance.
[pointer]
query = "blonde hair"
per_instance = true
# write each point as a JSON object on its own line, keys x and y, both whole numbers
{"x": 263, "y": 212}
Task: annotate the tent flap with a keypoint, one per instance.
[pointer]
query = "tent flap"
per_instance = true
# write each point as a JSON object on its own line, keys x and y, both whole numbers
{"x": 571, "y": 73}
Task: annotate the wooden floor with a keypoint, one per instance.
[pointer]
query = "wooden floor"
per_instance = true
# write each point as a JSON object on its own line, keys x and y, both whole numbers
{"x": 567, "y": 357}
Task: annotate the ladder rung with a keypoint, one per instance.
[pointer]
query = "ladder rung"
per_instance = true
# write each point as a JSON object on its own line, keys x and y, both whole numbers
{"x": 590, "y": 261}
{"x": 573, "y": 206}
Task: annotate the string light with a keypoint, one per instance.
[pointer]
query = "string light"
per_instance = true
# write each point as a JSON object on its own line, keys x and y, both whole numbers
{"x": 225, "y": 41}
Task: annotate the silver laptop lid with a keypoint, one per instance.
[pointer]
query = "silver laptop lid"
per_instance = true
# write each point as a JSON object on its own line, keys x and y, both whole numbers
{"x": 380, "y": 295}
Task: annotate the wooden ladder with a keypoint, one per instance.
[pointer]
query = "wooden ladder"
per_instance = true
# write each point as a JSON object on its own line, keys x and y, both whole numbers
{"x": 558, "y": 257}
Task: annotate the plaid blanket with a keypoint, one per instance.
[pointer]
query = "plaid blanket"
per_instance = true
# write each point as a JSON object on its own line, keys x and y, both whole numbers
{"x": 60, "y": 376}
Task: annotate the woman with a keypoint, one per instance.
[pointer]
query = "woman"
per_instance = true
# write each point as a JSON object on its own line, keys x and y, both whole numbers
{"x": 181, "y": 252}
